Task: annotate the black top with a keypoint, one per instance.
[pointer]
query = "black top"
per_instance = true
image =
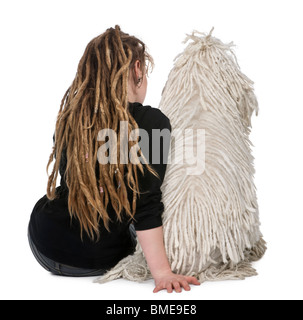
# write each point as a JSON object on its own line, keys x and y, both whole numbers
{"x": 57, "y": 236}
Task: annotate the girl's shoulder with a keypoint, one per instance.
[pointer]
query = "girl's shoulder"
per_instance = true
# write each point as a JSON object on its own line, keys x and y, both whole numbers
{"x": 150, "y": 115}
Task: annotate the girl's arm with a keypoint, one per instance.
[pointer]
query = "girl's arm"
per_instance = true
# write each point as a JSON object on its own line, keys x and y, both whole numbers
{"x": 152, "y": 245}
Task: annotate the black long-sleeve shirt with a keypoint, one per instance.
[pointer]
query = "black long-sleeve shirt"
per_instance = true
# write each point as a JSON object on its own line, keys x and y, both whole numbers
{"x": 57, "y": 236}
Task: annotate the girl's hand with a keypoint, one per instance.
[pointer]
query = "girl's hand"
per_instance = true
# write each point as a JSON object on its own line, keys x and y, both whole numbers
{"x": 172, "y": 281}
{"x": 154, "y": 251}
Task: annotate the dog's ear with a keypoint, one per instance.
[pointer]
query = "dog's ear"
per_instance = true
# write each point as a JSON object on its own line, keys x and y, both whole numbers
{"x": 246, "y": 103}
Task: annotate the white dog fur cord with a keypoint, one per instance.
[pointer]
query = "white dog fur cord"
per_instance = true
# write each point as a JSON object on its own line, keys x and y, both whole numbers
{"x": 211, "y": 221}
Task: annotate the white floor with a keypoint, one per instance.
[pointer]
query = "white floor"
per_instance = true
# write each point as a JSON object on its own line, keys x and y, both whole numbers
{"x": 27, "y": 280}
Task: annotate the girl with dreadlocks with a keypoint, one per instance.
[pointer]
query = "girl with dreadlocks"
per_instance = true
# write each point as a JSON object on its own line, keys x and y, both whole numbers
{"x": 90, "y": 222}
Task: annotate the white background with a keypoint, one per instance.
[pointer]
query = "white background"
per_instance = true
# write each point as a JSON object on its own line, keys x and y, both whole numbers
{"x": 41, "y": 45}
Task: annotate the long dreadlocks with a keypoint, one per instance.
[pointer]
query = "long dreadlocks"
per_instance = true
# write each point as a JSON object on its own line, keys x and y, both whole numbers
{"x": 98, "y": 99}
